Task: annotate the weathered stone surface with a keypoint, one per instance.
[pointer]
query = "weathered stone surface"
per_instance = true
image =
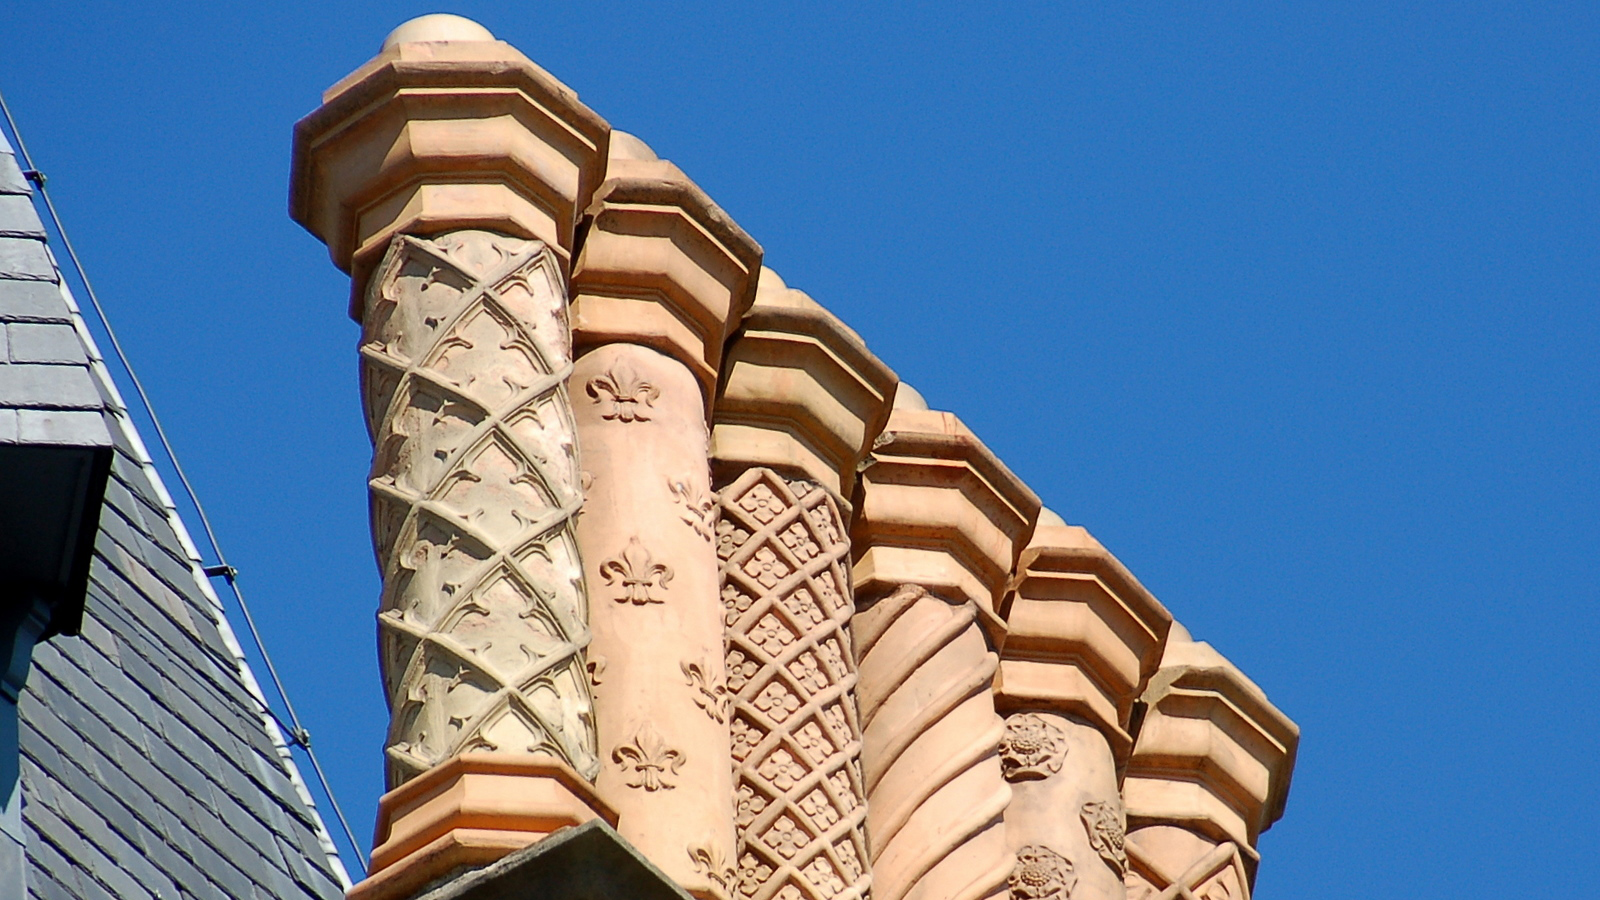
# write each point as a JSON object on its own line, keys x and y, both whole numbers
{"x": 940, "y": 522}
{"x": 662, "y": 266}
{"x": 483, "y": 620}
{"x": 1064, "y": 797}
{"x": 938, "y": 509}
{"x": 470, "y": 811}
{"x": 589, "y": 862}
{"x": 1083, "y": 636}
{"x": 799, "y": 392}
{"x": 1210, "y": 769}
{"x": 438, "y": 133}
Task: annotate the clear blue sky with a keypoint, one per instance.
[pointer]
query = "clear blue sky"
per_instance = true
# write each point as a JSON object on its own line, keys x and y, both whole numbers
{"x": 1293, "y": 305}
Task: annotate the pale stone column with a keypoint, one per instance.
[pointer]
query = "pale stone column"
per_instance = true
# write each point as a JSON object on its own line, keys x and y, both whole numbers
{"x": 1082, "y": 639}
{"x": 940, "y": 524}
{"x": 800, "y": 401}
{"x": 1210, "y": 771}
{"x": 662, "y": 277}
{"x": 462, "y": 165}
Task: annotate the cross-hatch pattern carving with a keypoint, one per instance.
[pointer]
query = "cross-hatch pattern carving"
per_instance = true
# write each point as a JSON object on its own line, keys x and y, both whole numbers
{"x": 465, "y": 351}
{"x": 800, "y": 809}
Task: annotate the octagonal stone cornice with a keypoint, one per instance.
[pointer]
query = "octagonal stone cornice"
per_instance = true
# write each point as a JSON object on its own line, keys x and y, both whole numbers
{"x": 431, "y": 136}
{"x": 661, "y": 265}
{"x": 1083, "y": 636}
{"x": 936, "y": 508}
{"x": 800, "y": 392}
{"x": 1212, "y": 753}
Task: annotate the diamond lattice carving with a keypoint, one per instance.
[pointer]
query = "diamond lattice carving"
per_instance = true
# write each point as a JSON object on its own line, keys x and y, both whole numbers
{"x": 797, "y": 743}
{"x": 464, "y": 355}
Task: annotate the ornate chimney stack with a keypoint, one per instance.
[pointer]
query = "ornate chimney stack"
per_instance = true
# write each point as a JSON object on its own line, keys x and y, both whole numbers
{"x": 1083, "y": 637}
{"x": 661, "y": 559}
{"x": 446, "y": 175}
{"x": 1210, "y": 771}
{"x": 663, "y": 277}
{"x": 939, "y": 527}
{"x": 801, "y": 400}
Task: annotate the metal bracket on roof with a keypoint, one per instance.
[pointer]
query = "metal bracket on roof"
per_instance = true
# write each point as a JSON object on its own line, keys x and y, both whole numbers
{"x": 34, "y": 176}
{"x": 222, "y": 571}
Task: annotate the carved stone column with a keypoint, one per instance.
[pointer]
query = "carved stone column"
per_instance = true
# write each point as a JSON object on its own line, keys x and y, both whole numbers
{"x": 940, "y": 524}
{"x": 462, "y": 165}
{"x": 662, "y": 276}
{"x": 1082, "y": 639}
{"x": 1210, "y": 771}
{"x": 801, "y": 398}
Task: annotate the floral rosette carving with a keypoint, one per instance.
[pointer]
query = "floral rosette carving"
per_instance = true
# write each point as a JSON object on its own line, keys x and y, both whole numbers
{"x": 1032, "y": 748}
{"x": 1041, "y": 874}
{"x": 800, "y": 807}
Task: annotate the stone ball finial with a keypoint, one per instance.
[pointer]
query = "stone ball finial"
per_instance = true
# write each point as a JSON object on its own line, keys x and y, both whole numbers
{"x": 627, "y": 146}
{"x": 908, "y": 397}
{"x": 437, "y": 27}
{"x": 1048, "y": 516}
{"x": 769, "y": 284}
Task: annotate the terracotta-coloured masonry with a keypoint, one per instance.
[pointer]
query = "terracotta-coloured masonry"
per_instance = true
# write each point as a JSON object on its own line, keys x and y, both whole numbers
{"x": 665, "y": 545}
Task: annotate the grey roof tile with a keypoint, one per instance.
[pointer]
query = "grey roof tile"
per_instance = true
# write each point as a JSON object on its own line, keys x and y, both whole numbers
{"x": 45, "y": 342}
{"x": 18, "y": 218}
{"x": 47, "y": 387}
{"x": 11, "y": 180}
{"x": 25, "y": 259}
{"x": 32, "y": 301}
{"x": 74, "y": 427}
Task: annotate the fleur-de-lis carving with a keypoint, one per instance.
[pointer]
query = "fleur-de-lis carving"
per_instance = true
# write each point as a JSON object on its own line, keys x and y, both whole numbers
{"x": 710, "y": 694}
{"x": 647, "y": 762}
{"x": 699, "y": 507}
{"x": 707, "y": 857}
{"x": 622, "y": 395}
{"x": 637, "y": 572}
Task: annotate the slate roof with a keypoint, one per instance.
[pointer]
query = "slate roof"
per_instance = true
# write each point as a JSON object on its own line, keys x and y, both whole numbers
{"x": 148, "y": 768}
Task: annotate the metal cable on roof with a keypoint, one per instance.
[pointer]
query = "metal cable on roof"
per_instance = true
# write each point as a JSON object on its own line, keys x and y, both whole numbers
{"x": 298, "y": 735}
